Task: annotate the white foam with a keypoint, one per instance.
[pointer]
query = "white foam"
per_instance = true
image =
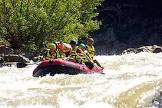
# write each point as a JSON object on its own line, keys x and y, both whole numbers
{"x": 123, "y": 72}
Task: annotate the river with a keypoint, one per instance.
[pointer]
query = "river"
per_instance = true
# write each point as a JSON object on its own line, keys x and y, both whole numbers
{"x": 130, "y": 81}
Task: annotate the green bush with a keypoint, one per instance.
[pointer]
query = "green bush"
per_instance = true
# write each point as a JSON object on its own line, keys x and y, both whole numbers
{"x": 31, "y": 22}
{"x": 4, "y": 42}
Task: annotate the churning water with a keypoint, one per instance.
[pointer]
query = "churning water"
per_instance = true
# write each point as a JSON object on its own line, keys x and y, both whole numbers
{"x": 130, "y": 81}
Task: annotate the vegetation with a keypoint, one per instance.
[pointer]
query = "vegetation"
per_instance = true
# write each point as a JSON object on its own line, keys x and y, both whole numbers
{"x": 4, "y": 42}
{"x": 28, "y": 24}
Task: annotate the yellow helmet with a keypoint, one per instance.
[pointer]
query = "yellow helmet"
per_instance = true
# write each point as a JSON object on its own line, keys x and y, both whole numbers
{"x": 51, "y": 45}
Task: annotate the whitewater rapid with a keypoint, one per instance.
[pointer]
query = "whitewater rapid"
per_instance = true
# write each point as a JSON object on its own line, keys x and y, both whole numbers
{"x": 130, "y": 81}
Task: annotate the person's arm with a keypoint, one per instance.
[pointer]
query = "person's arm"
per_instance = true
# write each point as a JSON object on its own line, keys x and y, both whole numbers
{"x": 79, "y": 51}
{"x": 88, "y": 57}
{"x": 66, "y": 48}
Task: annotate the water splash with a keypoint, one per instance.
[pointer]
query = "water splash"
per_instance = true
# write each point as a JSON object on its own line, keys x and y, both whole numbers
{"x": 125, "y": 75}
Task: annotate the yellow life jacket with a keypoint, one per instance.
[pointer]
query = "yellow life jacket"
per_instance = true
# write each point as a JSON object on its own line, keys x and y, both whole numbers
{"x": 51, "y": 56}
{"x": 74, "y": 56}
{"x": 91, "y": 51}
{"x": 85, "y": 57}
{"x": 74, "y": 50}
{"x": 60, "y": 54}
{"x": 56, "y": 54}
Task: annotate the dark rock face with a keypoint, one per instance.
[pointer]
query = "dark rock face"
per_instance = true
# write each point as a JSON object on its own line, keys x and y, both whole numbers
{"x": 128, "y": 24}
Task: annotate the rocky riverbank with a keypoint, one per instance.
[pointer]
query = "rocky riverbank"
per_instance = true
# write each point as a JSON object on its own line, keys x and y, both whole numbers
{"x": 7, "y": 54}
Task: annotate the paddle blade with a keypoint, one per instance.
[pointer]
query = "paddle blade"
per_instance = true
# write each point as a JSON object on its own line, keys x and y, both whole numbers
{"x": 21, "y": 65}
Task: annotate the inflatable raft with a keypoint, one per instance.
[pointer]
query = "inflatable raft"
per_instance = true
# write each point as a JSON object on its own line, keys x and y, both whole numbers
{"x": 59, "y": 66}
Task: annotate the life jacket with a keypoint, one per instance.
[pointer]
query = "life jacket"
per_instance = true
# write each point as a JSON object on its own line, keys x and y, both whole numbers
{"x": 51, "y": 56}
{"x": 59, "y": 54}
{"x": 56, "y": 54}
{"x": 91, "y": 51}
{"x": 74, "y": 50}
{"x": 74, "y": 56}
{"x": 85, "y": 56}
{"x": 73, "y": 53}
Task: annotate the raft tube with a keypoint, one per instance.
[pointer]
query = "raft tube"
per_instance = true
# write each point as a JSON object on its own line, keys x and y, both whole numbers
{"x": 59, "y": 66}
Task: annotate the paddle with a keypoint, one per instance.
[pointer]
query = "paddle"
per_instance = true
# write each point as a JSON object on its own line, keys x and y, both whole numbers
{"x": 89, "y": 64}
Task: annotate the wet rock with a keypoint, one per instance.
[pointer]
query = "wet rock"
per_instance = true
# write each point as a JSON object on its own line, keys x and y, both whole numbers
{"x": 157, "y": 50}
{"x": 17, "y": 51}
{"x": 15, "y": 58}
{"x": 157, "y": 100}
{"x": 5, "y": 50}
{"x": 38, "y": 58}
{"x": 1, "y": 60}
{"x": 152, "y": 49}
{"x": 129, "y": 50}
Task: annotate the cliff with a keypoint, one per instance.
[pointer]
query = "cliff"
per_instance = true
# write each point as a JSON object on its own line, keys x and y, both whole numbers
{"x": 128, "y": 24}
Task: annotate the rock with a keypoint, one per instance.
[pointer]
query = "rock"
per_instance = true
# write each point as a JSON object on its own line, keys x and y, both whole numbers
{"x": 157, "y": 100}
{"x": 36, "y": 59}
{"x": 5, "y": 50}
{"x": 157, "y": 50}
{"x": 129, "y": 50}
{"x": 17, "y": 51}
{"x": 152, "y": 49}
{"x": 15, "y": 58}
{"x": 1, "y": 60}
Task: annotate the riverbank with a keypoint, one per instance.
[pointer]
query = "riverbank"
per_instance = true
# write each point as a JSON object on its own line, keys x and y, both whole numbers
{"x": 8, "y": 54}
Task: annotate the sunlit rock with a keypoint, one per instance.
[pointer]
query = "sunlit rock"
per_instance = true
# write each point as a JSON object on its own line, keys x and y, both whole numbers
{"x": 15, "y": 58}
{"x": 152, "y": 49}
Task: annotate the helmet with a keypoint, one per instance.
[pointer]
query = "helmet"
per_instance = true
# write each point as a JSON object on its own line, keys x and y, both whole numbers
{"x": 90, "y": 40}
{"x": 82, "y": 45}
{"x": 73, "y": 42}
{"x": 51, "y": 45}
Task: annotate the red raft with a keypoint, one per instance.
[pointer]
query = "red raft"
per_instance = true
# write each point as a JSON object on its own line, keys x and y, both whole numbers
{"x": 59, "y": 66}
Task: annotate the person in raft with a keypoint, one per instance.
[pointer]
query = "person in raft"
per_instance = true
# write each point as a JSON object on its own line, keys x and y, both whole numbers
{"x": 91, "y": 49}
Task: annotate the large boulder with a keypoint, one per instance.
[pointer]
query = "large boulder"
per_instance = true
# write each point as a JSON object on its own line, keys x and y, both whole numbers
{"x": 15, "y": 58}
{"x": 5, "y": 50}
{"x": 129, "y": 50}
{"x": 152, "y": 49}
